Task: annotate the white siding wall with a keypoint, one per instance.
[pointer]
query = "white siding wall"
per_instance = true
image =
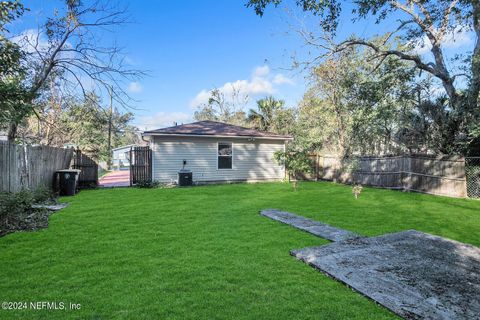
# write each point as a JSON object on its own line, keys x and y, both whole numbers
{"x": 252, "y": 160}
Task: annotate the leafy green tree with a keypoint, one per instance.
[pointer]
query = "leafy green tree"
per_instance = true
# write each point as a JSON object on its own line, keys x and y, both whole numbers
{"x": 264, "y": 118}
{"x": 71, "y": 56}
{"x": 14, "y": 105}
{"x": 87, "y": 126}
{"x": 419, "y": 23}
{"x": 354, "y": 105}
{"x": 224, "y": 107}
{"x": 9, "y": 11}
{"x": 83, "y": 123}
{"x": 295, "y": 162}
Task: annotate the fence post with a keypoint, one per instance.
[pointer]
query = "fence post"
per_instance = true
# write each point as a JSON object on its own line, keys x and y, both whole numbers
{"x": 131, "y": 166}
{"x": 465, "y": 177}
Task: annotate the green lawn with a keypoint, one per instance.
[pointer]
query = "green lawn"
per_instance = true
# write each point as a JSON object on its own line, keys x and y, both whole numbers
{"x": 206, "y": 253}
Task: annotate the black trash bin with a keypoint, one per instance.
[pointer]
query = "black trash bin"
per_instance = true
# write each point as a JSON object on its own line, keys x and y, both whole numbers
{"x": 184, "y": 178}
{"x": 68, "y": 181}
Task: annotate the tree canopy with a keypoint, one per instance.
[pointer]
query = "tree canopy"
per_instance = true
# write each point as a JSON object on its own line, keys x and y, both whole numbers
{"x": 418, "y": 23}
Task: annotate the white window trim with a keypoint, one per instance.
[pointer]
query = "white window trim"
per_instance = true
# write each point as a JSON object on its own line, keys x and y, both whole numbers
{"x": 216, "y": 151}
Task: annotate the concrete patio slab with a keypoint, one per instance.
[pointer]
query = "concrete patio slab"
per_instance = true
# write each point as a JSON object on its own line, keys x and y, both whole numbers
{"x": 314, "y": 227}
{"x": 414, "y": 274}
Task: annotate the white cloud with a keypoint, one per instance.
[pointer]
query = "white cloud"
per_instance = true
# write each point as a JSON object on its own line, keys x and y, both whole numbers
{"x": 261, "y": 71}
{"x": 281, "y": 79}
{"x": 134, "y": 87}
{"x": 459, "y": 37}
{"x": 456, "y": 38}
{"x": 31, "y": 40}
{"x": 261, "y": 82}
{"x": 201, "y": 97}
{"x": 163, "y": 119}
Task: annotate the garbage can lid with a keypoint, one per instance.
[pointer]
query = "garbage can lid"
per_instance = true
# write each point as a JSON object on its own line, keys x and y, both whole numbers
{"x": 77, "y": 171}
{"x": 184, "y": 171}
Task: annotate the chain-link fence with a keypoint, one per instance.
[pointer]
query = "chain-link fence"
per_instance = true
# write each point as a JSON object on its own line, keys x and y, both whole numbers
{"x": 472, "y": 171}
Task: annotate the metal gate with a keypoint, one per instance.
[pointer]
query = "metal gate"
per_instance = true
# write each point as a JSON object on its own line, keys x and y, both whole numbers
{"x": 89, "y": 169}
{"x": 140, "y": 165}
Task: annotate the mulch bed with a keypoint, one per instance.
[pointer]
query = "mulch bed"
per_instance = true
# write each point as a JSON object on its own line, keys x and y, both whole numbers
{"x": 32, "y": 220}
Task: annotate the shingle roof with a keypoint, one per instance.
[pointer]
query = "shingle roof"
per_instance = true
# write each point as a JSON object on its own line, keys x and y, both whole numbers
{"x": 214, "y": 128}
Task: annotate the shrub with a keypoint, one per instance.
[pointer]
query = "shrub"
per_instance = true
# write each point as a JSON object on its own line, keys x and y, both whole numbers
{"x": 16, "y": 212}
{"x": 14, "y": 207}
{"x": 356, "y": 190}
{"x": 43, "y": 195}
{"x": 11, "y": 202}
{"x": 295, "y": 162}
{"x": 147, "y": 184}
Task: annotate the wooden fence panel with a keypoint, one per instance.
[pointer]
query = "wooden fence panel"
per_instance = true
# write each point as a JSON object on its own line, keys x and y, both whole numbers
{"x": 30, "y": 167}
{"x": 88, "y": 176}
{"x": 436, "y": 175}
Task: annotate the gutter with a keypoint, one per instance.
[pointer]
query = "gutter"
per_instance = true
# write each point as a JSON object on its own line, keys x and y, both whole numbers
{"x": 214, "y": 136}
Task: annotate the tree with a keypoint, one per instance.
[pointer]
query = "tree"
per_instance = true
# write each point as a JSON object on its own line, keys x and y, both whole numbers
{"x": 9, "y": 11}
{"x": 418, "y": 21}
{"x": 79, "y": 121}
{"x": 295, "y": 162}
{"x": 327, "y": 104}
{"x": 74, "y": 54}
{"x": 95, "y": 130}
{"x": 224, "y": 107}
{"x": 12, "y": 73}
{"x": 355, "y": 106}
{"x": 264, "y": 117}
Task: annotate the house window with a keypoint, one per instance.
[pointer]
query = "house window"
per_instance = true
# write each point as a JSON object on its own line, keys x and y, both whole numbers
{"x": 225, "y": 152}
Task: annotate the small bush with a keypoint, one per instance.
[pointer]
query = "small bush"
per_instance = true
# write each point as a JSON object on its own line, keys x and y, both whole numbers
{"x": 295, "y": 162}
{"x": 356, "y": 190}
{"x": 15, "y": 204}
{"x": 148, "y": 184}
{"x": 43, "y": 195}
{"x": 16, "y": 212}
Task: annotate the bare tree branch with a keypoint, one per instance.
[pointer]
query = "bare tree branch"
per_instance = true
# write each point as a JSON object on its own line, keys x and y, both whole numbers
{"x": 75, "y": 54}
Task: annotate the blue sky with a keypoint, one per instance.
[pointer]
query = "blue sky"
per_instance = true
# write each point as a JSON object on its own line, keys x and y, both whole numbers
{"x": 193, "y": 46}
{"x": 190, "y": 47}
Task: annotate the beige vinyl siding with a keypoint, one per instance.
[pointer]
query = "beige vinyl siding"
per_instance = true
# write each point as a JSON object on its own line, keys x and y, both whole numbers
{"x": 252, "y": 160}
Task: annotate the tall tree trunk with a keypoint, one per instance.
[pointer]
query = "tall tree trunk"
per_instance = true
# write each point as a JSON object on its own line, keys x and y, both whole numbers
{"x": 12, "y": 131}
{"x": 474, "y": 89}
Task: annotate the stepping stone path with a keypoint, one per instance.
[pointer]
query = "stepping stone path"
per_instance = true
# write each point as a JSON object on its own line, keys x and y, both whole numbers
{"x": 414, "y": 274}
{"x": 314, "y": 227}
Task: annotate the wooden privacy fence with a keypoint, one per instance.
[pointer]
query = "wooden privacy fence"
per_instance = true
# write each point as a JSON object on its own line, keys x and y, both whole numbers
{"x": 89, "y": 169}
{"x": 435, "y": 175}
{"x": 30, "y": 167}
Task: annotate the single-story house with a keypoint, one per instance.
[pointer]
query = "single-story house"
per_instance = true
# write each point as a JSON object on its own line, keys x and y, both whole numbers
{"x": 215, "y": 152}
{"x": 121, "y": 157}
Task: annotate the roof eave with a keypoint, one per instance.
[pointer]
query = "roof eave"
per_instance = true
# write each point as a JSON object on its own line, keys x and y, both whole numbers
{"x": 146, "y": 133}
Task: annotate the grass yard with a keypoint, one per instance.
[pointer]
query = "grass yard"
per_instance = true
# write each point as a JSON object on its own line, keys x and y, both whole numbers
{"x": 206, "y": 253}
